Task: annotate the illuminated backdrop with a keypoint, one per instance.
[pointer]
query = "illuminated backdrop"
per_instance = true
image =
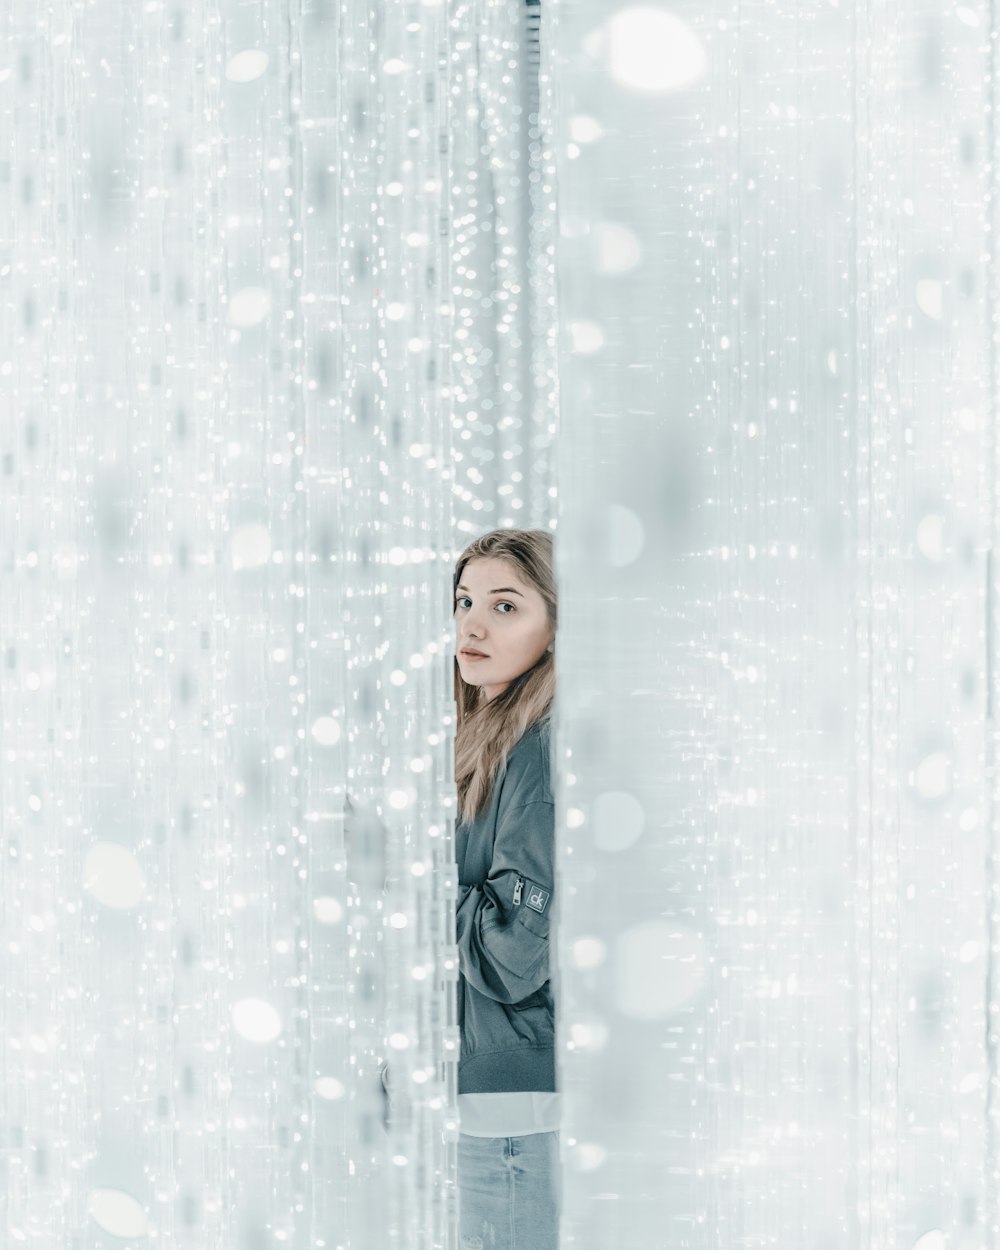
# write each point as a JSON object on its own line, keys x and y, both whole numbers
{"x": 777, "y": 469}
{"x": 295, "y": 299}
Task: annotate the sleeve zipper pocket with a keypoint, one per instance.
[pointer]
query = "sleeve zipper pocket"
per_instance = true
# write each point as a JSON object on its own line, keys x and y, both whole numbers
{"x": 517, "y": 889}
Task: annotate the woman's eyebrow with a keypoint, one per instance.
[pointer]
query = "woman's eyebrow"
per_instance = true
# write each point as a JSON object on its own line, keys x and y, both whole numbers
{"x": 499, "y": 590}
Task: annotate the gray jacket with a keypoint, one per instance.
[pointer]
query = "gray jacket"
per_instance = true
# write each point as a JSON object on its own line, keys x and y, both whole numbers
{"x": 506, "y": 875}
{"x": 506, "y": 1009}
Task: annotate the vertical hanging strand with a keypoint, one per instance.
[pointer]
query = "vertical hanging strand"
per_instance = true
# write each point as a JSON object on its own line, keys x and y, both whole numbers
{"x": 46, "y": 622}
{"x": 409, "y": 199}
{"x": 991, "y": 737}
{"x": 877, "y": 346}
{"x": 209, "y": 826}
{"x": 290, "y": 210}
{"x": 447, "y": 1035}
{"x": 318, "y": 33}
{"x": 500, "y": 45}
{"x": 361, "y": 440}
{"x": 855, "y": 365}
{"x": 542, "y": 196}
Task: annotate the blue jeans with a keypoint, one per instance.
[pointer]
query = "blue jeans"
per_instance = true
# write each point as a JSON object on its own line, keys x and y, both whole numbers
{"x": 509, "y": 1192}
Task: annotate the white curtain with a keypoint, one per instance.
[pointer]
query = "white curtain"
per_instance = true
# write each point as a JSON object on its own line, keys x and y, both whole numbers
{"x": 256, "y": 373}
{"x": 777, "y": 464}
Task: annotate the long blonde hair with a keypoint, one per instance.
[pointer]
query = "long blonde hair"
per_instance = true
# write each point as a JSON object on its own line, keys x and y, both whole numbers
{"x": 487, "y": 729}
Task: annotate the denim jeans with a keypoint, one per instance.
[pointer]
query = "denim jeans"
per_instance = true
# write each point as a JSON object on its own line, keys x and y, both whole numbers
{"x": 509, "y": 1192}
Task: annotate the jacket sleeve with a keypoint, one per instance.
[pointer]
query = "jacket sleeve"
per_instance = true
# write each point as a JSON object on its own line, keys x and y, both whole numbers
{"x": 502, "y": 926}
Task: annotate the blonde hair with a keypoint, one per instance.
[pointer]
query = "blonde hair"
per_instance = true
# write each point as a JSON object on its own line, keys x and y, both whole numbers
{"x": 487, "y": 729}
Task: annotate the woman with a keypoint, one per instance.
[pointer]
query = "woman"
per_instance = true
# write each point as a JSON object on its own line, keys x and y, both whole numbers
{"x": 508, "y": 1150}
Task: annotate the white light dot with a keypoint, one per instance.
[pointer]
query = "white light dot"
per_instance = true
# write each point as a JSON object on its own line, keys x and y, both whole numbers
{"x": 930, "y": 298}
{"x": 326, "y": 731}
{"x": 256, "y": 1020}
{"x": 117, "y": 1213}
{"x": 585, "y": 129}
{"x": 591, "y": 1035}
{"x": 249, "y": 306}
{"x": 589, "y": 952}
{"x": 618, "y": 249}
{"x": 327, "y": 910}
{"x": 111, "y": 875}
{"x": 329, "y": 1087}
{"x": 250, "y": 547}
{"x": 968, "y": 952}
{"x": 930, "y": 536}
{"x": 246, "y": 66}
{"x": 588, "y": 1156}
{"x": 648, "y": 49}
{"x": 586, "y": 336}
{"x": 933, "y": 776}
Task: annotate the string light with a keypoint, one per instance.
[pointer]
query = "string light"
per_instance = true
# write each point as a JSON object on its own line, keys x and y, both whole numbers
{"x": 243, "y": 461}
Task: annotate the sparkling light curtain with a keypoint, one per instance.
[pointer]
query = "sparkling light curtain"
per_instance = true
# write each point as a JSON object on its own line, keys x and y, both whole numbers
{"x": 248, "y": 423}
{"x": 285, "y": 319}
{"x": 777, "y": 469}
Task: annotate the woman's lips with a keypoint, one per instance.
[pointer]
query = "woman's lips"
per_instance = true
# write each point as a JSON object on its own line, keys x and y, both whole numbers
{"x": 470, "y": 655}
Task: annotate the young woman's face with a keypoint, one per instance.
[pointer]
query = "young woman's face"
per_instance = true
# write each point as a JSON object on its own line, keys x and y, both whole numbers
{"x": 498, "y": 614}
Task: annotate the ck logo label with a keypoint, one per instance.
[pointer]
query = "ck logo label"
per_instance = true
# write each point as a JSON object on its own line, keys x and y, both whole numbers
{"x": 537, "y": 898}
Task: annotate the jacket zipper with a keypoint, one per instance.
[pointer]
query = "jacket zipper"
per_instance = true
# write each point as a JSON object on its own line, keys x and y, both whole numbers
{"x": 517, "y": 890}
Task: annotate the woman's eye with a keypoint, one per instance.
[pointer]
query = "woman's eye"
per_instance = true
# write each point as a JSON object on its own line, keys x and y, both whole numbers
{"x": 502, "y": 603}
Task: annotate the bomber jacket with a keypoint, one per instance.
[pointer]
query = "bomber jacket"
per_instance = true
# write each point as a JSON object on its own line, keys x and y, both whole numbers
{"x": 505, "y": 860}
